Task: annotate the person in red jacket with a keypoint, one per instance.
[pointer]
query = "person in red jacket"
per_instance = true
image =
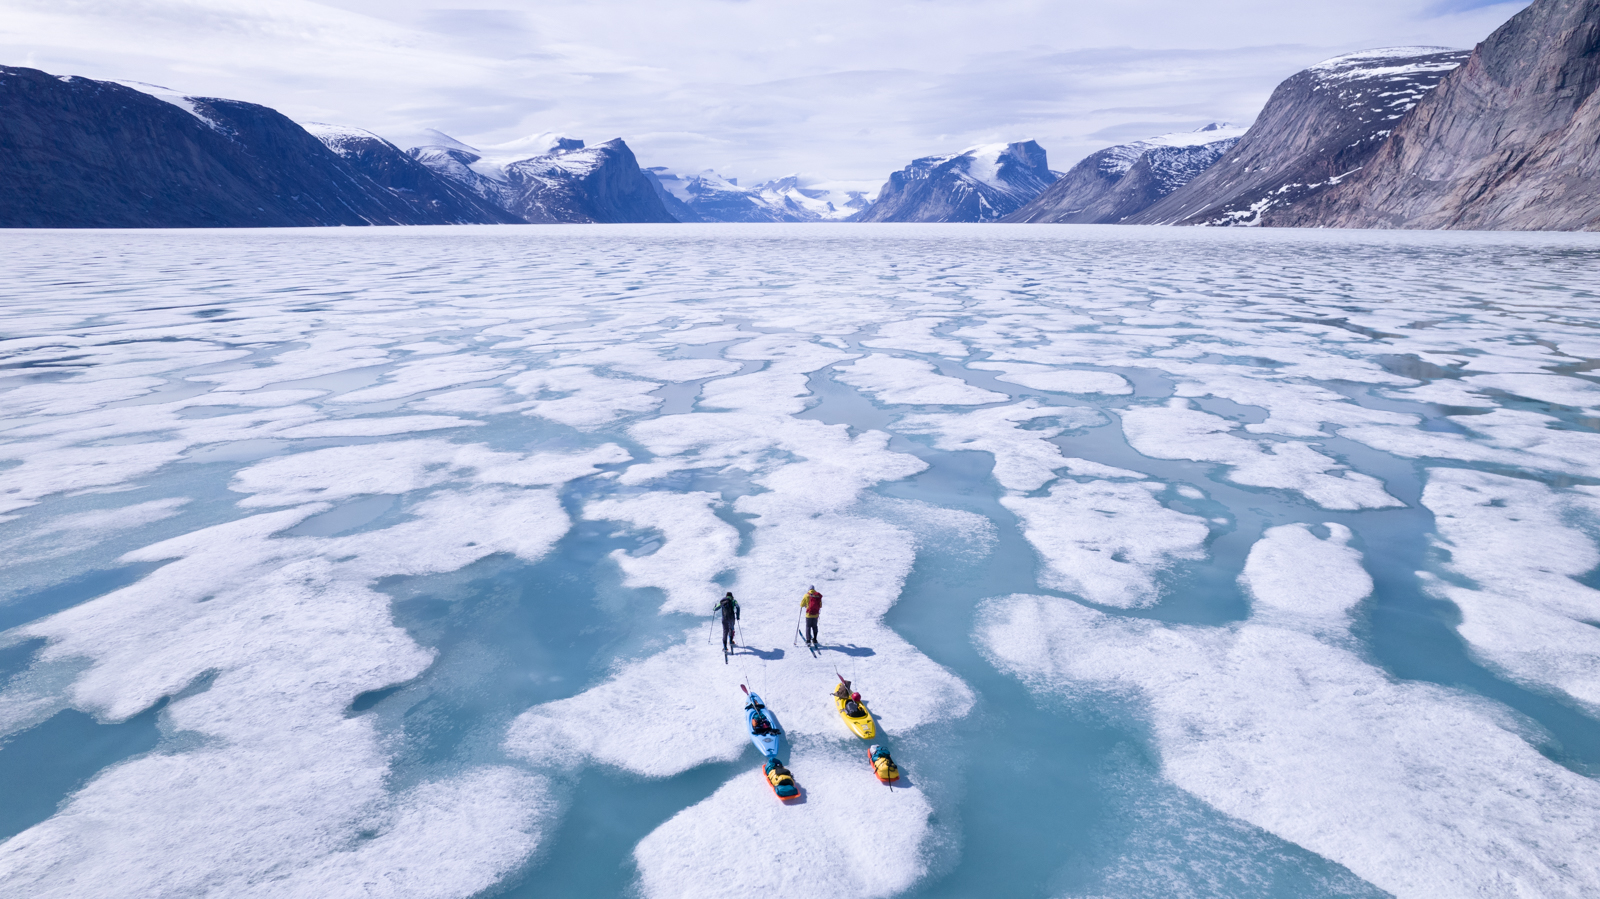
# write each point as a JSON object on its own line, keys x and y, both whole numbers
{"x": 812, "y": 603}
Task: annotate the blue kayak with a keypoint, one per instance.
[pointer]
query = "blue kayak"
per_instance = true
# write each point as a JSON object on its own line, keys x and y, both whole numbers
{"x": 768, "y": 739}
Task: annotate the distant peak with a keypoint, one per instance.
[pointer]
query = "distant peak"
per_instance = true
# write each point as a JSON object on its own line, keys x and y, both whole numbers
{"x": 535, "y": 145}
{"x": 437, "y": 138}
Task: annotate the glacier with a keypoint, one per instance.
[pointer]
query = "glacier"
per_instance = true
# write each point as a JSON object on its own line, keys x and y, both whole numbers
{"x": 1172, "y": 562}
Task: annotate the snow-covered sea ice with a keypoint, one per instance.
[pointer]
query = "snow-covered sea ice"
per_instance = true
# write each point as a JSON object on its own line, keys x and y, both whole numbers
{"x": 1213, "y": 563}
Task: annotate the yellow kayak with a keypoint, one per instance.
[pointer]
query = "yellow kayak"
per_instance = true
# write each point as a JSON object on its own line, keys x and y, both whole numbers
{"x": 862, "y": 726}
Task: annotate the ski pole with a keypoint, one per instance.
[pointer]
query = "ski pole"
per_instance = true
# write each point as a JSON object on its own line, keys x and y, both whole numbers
{"x": 797, "y": 627}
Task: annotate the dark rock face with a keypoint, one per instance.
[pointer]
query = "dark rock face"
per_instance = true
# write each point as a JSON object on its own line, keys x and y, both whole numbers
{"x": 595, "y": 184}
{"x": 982, "y": 184}
{"x": 569, "y": 183}
{"x": 1112, "y": 184}
{"x": 1511, "y": 140}
{"x": 95, "y": 154}
{"x": 1319, "y": 127}
{"x": 430, "y": 197}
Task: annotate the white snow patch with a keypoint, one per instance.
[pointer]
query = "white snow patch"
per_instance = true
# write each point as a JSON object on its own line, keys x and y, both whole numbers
{"x": 983, "y": 164}
{"x": 576, "y": 396}
{"x": 1107, "y": 542}
{"x": 697, "y": 545}
{"x": 337, "y": 137}
{"x": 182, "y": 101}
{"x": 916, "y": 336}
{"x": 282, "y": 783}
{"x": 1557, "y": 389}
{"x": 1059, "y": 380}
{"x": 1291, "y": 732}
{"x": 402, "y": 466}
{"x": 850, "y": 837}
{"x": 81, "y": 530}
{"x": 1524, "y": 613}
{"x": 1024, "y": 458}
{"x": 898, "y": 381}
{"x": 1176, "y": 431}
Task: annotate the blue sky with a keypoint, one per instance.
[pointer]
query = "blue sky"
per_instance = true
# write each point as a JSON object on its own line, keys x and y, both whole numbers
{"x": 835, "y": 91}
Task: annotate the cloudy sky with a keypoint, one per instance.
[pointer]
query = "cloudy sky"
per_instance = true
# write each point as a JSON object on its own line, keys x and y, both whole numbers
{"x": 834, "y": 90}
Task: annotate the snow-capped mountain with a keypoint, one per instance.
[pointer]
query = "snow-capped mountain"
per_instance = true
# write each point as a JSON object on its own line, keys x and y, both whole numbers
{"x": 561, "y": 181}
{"x": 709, "y": 197}
{"x": 1511, "y": 140}
{"x": 407, "y": 179}
{"x": 1111, "y": 184}
{"x": 81, "y": 153}
{"x": 980, "y": 184}
{"x": 1320, "y": 126}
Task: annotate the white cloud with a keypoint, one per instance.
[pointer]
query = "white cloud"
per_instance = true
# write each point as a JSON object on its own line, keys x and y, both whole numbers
{"x": 835, "y": 89}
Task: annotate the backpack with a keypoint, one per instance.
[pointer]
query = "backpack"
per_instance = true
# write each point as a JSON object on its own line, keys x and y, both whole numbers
{"x": 813, "y": 604}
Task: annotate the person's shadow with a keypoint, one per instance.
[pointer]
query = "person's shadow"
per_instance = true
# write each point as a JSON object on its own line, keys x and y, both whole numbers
{"x": 769, "y": 655}
{"x": 849, "y": 649}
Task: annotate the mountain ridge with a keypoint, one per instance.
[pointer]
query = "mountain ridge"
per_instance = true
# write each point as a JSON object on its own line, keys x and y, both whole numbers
{"x": 1511, "y": 140}
{"x": 98, "y": 154}
{"x": 566, "y": 183}
{"x": 980, "y": 184}
{"x": 1110, "y": 185}
{"x": 1320, "y": 124}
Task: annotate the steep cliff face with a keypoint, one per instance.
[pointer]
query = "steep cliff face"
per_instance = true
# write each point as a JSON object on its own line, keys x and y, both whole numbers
{"x": 1318, "y": 128}
{"x": 432, "y": 199}
{"x": 97, "y": 154}
{"x": 1112, "y": 184}
{"x": 1509, "y": 141}
{"x": 568, "y": 182}
{"x": 602, "y": 183}
{"x": 983, "y": 184}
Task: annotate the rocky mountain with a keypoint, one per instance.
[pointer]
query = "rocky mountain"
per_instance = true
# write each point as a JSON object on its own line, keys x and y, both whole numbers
{"x": 1318, "y": 128}
{"x": 1110, "y": 185}
{"x": 1511, "y": 140}
{"x": 982, "y": 184}
{"x": 408, "y": 180}
{"x": 709, "y": 197}
{"x": 97, "y": 154}
{"x": 678, "y": 209}
{"x": 563, "y": 181}
{"x": 813, "y": 202}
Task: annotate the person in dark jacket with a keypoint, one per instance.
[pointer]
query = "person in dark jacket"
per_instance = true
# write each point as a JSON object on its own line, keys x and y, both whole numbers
{"x": 729, "y": 607}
